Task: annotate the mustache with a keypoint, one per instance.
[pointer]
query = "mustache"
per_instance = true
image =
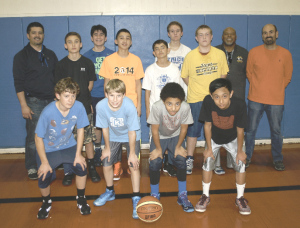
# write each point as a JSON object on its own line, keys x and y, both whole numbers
{"x": 269, "y": 37}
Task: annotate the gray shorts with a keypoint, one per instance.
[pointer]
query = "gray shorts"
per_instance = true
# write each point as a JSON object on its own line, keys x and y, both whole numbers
{"x": 116, "y": 150}
{"x": 231, "y": 148}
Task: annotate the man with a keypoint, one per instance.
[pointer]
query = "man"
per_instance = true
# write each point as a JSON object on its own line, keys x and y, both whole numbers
{"x": 33, "y": 69}
{"x": 237, "y": 60}
{"x": 269, "y": 71}
{"x": 200, "y": 67}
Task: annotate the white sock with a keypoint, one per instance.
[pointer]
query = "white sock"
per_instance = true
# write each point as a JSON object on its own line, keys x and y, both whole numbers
{"x": 206, "y": 187}
{"x": 240, "y": 190}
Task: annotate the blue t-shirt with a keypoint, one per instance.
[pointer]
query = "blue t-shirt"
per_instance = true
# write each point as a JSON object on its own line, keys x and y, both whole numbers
{"x": 119, "y": 122}
{"x": 56, "y": 130}
{"x": 98, "y": 58}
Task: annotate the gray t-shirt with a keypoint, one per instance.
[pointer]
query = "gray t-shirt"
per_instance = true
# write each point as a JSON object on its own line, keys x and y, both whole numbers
{"x": 169, "y": 126}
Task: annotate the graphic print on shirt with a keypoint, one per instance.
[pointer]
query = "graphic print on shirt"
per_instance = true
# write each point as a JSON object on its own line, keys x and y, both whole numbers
{"x": 222, "y": 122}
{"x": 171, "y": 122}
{"x": 123, "y": 71}
{"x": 162, "y": 81}
{"x": 116, "y": 122}
{"x": 178, "y": 61}
{"x": 207, "y": 69}
{"x": 98, "y": 64}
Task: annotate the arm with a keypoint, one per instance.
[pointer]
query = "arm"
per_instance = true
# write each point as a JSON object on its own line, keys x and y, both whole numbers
{"x": 208, "y": 151}
{"x": 106, "y": 151}
{"x": 133, "y": 160}
{"x": 45, "y": 167}
{"x": 147, "y": 102}
{"x": 288, "y": 70}
{"x": 91, "y": 84}
{"x": 179, "y": 150}
{"x": 138, "y": 87}
{"x": 157, "y": 152}
{"x": 26, "y": 111}
{"x": 186, "y": 80}
{"x": 79, "y": 159}
{"x": 241, "y": 155}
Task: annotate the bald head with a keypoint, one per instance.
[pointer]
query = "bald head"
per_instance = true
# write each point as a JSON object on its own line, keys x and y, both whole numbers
{"x": 229, "y": 36}
{"x": 269, "y": 26}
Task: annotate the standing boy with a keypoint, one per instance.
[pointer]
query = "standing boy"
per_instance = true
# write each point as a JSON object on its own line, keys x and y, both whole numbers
{"x": 117, "y": 116}
{"x": 97, "y": 54}
{"x": 157, "y": 76}
{"x": 82, "y": 71}
{"x": 56, "y": 145}
{"x": 127, "y": 67}
{"x": 225, "y": 119}
{"x": 200, "y": 67}
{"x": 169, "y": 119}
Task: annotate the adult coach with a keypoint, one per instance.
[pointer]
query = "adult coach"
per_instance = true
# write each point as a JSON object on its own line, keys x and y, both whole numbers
{"x": 33, "y": 69}
{"x": 269, "y": 71}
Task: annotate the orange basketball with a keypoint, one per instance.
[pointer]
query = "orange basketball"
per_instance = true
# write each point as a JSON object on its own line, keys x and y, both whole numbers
{"x": 149, "y": 209}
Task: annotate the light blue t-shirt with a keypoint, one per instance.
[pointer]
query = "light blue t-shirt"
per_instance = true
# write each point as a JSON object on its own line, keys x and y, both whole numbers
{"x": 56, "y": 130}
{"x": 119, "y": 122}
{"x": 98, "y": 58}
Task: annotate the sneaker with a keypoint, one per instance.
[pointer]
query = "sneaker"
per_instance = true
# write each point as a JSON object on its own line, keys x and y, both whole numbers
{"x": 128, "y": 171}
{"x": 118, "y": 171}
{"x": 202, "y": 203}
{"x": 242, "y": 203}
{"x": 157, "y": 196}
{"x": 219, "y": 170}
{"x": 184, "y": 202}
{"x": 83, "y": 206}
{"x": 97, "y": 157}
{"x": 93, "y": 174}
{"x": 67, "y": 179}
{"x": 32, "y": 174}
{"x": 44, "y": 210}
{"x": 135, "y": 201}
{"x": 108, "y": 195}
{"x": 170, "y": 170}
{"x": 247, "y": 163}
{"x": 189, "y": 165}
{"x": 278, "y": 165}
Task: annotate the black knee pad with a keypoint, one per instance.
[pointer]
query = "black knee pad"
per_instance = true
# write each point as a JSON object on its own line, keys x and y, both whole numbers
{"x": 181, "y": 174}
{"x": 155, "y": 165}
{"x": 180, "y": 162}
{"x": 154, "y": 177}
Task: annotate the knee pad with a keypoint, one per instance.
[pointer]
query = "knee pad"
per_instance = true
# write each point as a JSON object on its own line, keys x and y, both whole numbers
{"x": 78, "y": 170}
{"x": 154, "y": 177}
{"x": 180, "y": 162}
{"x": 181, "y": 174}
{"x": 155, "y": 164}
{"x": 209, "y": 165}
{"x": 48, "y": 179}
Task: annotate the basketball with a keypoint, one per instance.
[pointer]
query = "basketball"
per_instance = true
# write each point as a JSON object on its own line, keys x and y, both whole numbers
{"x": 149, "y": 209}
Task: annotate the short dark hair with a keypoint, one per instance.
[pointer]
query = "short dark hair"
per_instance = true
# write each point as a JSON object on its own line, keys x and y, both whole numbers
{"x": 98, "y": 27}
{"x": 172, "y": 89}
{"x": 72, "y": 34}
{"x": 34, "y": 24}
{"x": 174, "y": 23}
{"x": 203, "y": 27}
{"x": 219, "y": 83}
{"x": 160, "y": 42}
{"x": 66, "y": 85}
{"x": 123, "y": 30}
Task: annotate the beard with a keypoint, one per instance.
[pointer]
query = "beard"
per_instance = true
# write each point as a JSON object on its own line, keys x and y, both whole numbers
{"x": 269, "y": 41}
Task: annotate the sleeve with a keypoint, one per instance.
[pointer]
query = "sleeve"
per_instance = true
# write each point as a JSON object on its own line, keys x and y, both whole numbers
{"x": 185, "y": 67}
{"x": 19, "y": 66}
{"x": 58, "y": 74}
{"x": 187, "y": 117}
{"x": 288, "y": 68}
{"x": 139, "y": 70}
{"x": 205, "y": 112}
{"x": 91, "y": 70}
{"x": 101, "y": 118}
{"x": 104, "y": 70}
{"x": 82, "y": 120}
{"x": 224, "y": 69}
{"x": 132, "y": 117}
{"x": 155, "y": 113}
{"x": 241, "y": 114}
{"x": 249, "y": 68}
{"x": 147, "y": 79}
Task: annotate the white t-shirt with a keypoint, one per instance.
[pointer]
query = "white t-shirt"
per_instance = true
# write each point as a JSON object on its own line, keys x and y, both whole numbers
{"x": 157, "y": 77}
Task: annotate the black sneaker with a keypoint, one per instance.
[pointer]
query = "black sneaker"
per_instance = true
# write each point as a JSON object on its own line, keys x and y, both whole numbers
{"x": 44, "y": 210}
{"x": 93, "y": 174}
{"x": 247, "y": 163}
{"x": 67, "y": 180}
{"x": 97, "y": 157}
{"x": 83, "y": 206}
{"x": 32, "y": 174}
{"x": 279, "y": 166}
{"x": 170, "y": 170}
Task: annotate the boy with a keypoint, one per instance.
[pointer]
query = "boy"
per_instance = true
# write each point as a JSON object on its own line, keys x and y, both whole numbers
{"x": 97, "y": 54}
{"x": 225, "y": 119}
{"x": 169, "y": 119}
{"x": 200, "y": 67}
{"x": 117, "y": 116}
{"x": 56, "y": 145}
{"x": 82, "y": 71}
{"x": 157, "y": 76}
{"x": 128, "y": 68}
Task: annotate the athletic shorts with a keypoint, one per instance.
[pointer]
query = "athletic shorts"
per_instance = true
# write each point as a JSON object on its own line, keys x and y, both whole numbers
{"x": 89, "y": 131}
{"x": 194, "y": 130}
{"x": 95, "y": 101}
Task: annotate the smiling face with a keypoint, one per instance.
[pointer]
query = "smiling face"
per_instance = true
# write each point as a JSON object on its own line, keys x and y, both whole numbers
{"x": 229, "y": 36}
{"x": 115, "y": 100}
{"x": 204, "y": 37}
{"x": 66, "y": 100}
{"x": 73, "y": 44}
{"x": 172, "y": 105}
{"x": 98, "y": 38}
{"x": 269, "y": 34}
{"x": 123, "y": 41}
{"x": 36, "y": 36}
{"x": 222, "y": 97}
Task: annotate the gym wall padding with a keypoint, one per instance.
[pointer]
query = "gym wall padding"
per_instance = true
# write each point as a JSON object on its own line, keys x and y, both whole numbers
{"x": 145, "y": 30}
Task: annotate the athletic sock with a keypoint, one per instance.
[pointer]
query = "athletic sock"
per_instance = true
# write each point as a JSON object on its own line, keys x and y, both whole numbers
{"x": 240, "y": 190}
{"x": 206, "y": 187}
{"x": 181, "y": 186}
{"x": 46, "y": 198}
{"x": 111, "y": 188}
{"x": 80, "y": 192}
{"x": 154, "y": 188}
{"x": 136, "y": 194}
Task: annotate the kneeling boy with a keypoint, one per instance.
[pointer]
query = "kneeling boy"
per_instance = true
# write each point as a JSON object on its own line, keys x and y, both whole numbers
{"x": 117, "y": 116}
{"x": 56, "y": 145}
{"x": 225, "y": 119}
{"x": 169, "y": 119}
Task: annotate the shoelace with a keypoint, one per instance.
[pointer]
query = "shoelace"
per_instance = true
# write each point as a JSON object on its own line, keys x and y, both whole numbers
{"x": 189, "y": 162}
{"x": 243, "y": 202}
{"x": 184, "y": 199}
{"x": 203, "y": 199}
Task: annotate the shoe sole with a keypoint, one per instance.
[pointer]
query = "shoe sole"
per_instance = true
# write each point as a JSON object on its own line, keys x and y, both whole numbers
{"x": 189, "y": 210}
{"x": 219, "y": 173}
{"x": 243, "y": 212}
{"x": 33, "y": 178}
{"x": 189, "y": 172}
{"x": 201, "y": 210}
{"x": 99, "y": 205}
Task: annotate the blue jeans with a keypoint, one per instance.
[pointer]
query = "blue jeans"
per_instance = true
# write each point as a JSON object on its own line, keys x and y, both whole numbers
{"x": 274, "y": 115}
{"x": 37, "y": 106}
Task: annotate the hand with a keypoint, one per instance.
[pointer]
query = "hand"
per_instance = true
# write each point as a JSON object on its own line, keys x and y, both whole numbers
{"x": 180, "y": 151}
{"x": 156, "y": 153}
{"x": 241, "y": 156}
{"x": 208, "y": 153}
{"x": 43, "y": 170}
{"x": 79, "y": 159}
{"x": 133, "y": 160}
{"x": 27, "y": 112}
{"x": 105, "y": 154}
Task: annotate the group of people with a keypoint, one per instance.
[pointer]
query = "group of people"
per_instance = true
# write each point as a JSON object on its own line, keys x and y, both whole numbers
{"x": 99, "y": 93}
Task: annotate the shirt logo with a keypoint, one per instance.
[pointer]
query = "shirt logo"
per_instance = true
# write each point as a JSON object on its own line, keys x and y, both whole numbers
{"x": 116, "y": 122}
{"x": 82, "y": 69}
{"x": 239, "y": 59}
{"x": 162, "y": 81}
